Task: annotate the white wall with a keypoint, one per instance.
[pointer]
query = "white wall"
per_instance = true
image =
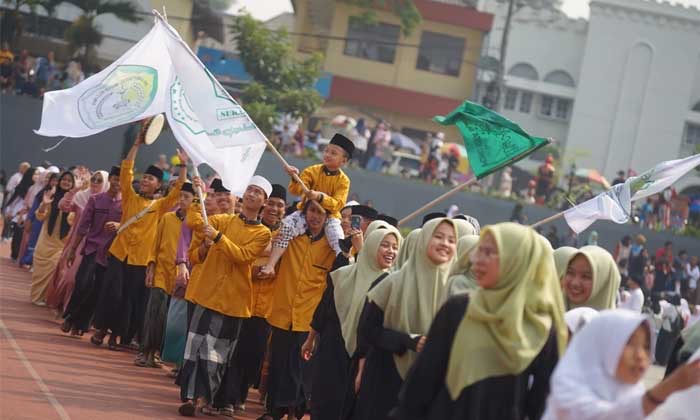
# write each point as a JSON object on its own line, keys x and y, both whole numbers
{"x": 639, "y": 67}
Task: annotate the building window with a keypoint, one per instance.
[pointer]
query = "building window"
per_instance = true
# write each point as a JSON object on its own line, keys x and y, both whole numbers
{"x": 524, "y": 71}
{"x": 560, "y": 77}
{"x": 525, "y": 102}
{"x": 696, "y": 108}
{"x": 562, "y": 111}
{"x": 558, "y": 108}
{"x": 511, "y": 97}
{"x": 440, "y": 53}
{"x": 692, "y": 134}
{"x": 546, "y": 107}
{"x": 372, "y": 42}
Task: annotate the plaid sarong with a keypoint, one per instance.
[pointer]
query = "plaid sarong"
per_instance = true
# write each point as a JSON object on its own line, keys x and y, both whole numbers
{"x": 211, "y": 340}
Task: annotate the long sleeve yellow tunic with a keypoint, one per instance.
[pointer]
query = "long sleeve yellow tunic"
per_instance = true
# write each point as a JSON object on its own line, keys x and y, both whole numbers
{"x": 133, "y": 244}
{"x": 224, "y": 282}
{"x": 164, "y": 252}
{"x": 334, "y": 185}
{"x": 263, "y": 288}
{"x": 301, "y": 280}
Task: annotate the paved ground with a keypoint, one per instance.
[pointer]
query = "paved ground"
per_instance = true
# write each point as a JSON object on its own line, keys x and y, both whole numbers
{"x": 45, "y": 374}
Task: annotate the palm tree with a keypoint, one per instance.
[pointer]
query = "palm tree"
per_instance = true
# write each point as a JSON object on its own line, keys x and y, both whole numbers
{"x": 83, "y": 34}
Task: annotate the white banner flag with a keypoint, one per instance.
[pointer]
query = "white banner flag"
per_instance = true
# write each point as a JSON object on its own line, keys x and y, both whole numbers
{"x": 616, "y": 204}
{"x": 160, "y": 74}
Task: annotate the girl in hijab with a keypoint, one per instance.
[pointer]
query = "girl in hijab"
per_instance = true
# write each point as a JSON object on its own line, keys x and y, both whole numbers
{"x": 33, "y": 229}
{"x": 409, "y": 244}
{"x": 577, "y": 318}
{"x": 591, "y": 279}
{"x": 490, "y": 354}
{"x": 461, "y": 277}
{"x": 593, "y": 238}
{"x": 562, "y": 256}
{"x": 63, "y": 280}
{"x": 397, "y": 316}
{"x": 16, "y": 210}
{"x": 52, "y": 239}
{"x": 601, "y": 382}
{"x": 334, "y": 325}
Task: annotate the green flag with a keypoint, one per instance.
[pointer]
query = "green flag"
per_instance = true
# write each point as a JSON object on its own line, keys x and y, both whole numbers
{"x": 492, "y": 141}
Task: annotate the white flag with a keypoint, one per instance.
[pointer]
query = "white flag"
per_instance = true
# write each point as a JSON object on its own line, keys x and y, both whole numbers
{"x": 210, "y": 125}
{"x": 160, "y": 74}
{"x": 616, "y": 204}
{"x": 130, "y": 89}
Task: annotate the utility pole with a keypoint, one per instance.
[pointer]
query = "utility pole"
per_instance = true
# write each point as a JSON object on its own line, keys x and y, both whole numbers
{"x": 494, "y": 91}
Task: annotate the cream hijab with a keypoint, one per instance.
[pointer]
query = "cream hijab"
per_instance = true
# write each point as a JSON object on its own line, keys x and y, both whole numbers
{"x": 464, "y": 228}
{"x": 411, "y": 297}
{"x": 562, "y": 258}
{"x": 586, "y": 373}
{"x": 409, "y": 245}
{"x": 461, "y": 280}
{"x": 351, "y": 283}
{"x": 606, "y": 278}
{"x": 377, "y": 224}
{"x": 81, "y": 198}
{"x": 506, "y": 327}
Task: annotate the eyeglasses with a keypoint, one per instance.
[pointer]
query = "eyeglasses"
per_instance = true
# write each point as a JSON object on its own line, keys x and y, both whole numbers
{"x": 96, "y": 179}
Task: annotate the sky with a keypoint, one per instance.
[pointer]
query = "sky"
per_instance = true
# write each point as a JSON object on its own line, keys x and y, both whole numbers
{"x": 265, "y": 9}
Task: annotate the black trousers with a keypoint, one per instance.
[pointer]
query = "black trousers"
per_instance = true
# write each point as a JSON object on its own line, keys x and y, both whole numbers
{"x": 88, "y": 284}
{"x": 286, "y": 382}
{"x": 122, "y": 302}
{"x": 17, "y": 233}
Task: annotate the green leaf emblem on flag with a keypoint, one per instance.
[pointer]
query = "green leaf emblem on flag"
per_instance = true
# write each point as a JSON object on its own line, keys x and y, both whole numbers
{"x": 492, "y": 141}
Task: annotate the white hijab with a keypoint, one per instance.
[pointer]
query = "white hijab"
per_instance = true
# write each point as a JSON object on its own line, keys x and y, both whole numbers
{"x": 586, "y": 373}
{"x": 81, "y": 197}
{"x": 577, "y": 318}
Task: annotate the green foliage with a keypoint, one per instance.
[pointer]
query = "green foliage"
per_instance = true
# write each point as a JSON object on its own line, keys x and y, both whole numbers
{"x": 405, "y": 9}
{"x": 82, "y": 34}
{"x": 281, "y": 83}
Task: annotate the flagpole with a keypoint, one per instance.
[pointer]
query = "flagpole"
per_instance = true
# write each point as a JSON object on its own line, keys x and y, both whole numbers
{"x": 271, "y": 146}
{"x": 443, "y": 197}
{"x": 547, "y": 220}
{"x": 200, "y": 195}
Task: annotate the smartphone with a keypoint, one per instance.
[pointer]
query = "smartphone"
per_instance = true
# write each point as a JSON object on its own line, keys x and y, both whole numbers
{"x": 355, "y": 221}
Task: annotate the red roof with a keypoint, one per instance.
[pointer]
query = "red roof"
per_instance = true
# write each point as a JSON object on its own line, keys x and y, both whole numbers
{"x": 454, "y": 15}
{"x": 390, "y": 98}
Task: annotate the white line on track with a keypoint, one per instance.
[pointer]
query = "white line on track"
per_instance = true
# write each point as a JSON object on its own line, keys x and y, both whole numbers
{"x": 44, "y": 389}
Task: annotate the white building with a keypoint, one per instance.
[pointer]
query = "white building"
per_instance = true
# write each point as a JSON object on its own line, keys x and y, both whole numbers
{"x": 620, "y": 91}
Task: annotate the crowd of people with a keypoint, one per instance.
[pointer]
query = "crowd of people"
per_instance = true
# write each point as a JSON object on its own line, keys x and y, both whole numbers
{"x": 325, "y": 307}
{"x": 25, "y": 74}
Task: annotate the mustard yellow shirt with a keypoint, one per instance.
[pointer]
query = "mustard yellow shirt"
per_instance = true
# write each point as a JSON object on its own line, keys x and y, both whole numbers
{"x": 164, "y": 252}
{"x": 135, "y": 242}
{"x": 224, "y": 282}
{"x": 334, "y": 186}
{"x": 263, "y": 288}
{"x": 301, "y": 280}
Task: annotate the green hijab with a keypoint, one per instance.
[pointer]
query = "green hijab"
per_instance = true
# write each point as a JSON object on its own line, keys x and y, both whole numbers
{"x": 411, "y": 296}
{"x": 461, "y": 279}
{"x": 506, "y": 327}
{"x": 606, "y": 279}
{"x": 407, "y": 248}
{"x": 350, "y": 284}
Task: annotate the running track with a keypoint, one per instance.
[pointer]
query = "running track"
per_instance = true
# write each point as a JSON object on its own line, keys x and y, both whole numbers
{"x": 45, "y": 374}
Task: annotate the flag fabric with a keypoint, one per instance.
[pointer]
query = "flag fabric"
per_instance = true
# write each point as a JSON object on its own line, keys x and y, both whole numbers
{"x": 616, "y": 204}
{"x": 160, "y": 74}
{"x": 492, "y": 141}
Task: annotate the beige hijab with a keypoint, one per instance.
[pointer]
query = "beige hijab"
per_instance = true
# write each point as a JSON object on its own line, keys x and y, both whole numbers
{"x": 562, "y": 257}
{"x": 351, "y": 283}
{"x": 409, "y": 244}
{"x": 411, "y": 297}
{"x": 461, "y": 280}
{"x": 464, "y": 228}
{"x": 377, "y": 224}
{"x": 506, "y": 327}
{"x": 606, "y": 278}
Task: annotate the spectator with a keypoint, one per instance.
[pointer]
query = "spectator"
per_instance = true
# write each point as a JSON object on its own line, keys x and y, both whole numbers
{"x": 380, "y": 140}
{"x": 7, "y": 60}
{"x": 693, "y": 276}
{"x": 593, "y": 238}
{"x": 74, "y": 75}
{"x": 663, "y": 264}
{"x": 359, "y": 136}
{"x": 517, "y": 216}
{"x": 638, "y": 258}
{"x": 506, "y": 185}
{"x": 163, "y": 165}
{"x": 299, "y": 142}
{"x": 45, "y": 71}
{"x": 21, "y": 71}
{"x": 620, "y": 178}
{"x": 622, "y": 253}
{"x": 680, "y": 273}
{"x": 545, "y": 180}
{"x": 553, "y": 237}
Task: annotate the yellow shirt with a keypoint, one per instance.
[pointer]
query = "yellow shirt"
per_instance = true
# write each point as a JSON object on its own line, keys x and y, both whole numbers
{"x": 224, "y": 282}
{"x": 263, "y": 288}
{"x": 135, "y": 242}
{"x": 334, "y": 186}
{"x": 301, "y": 280}
{"x": 164, "y": 252}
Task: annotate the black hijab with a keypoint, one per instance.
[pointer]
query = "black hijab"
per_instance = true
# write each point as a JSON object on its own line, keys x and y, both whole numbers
{"x": 23, "y": 187}
{"x": 55, "y": 211}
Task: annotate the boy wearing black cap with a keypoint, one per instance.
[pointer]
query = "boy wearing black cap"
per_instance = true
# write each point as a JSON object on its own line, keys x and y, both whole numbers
{"x": 329, "y": 186}
{"x": 122, "y": 301}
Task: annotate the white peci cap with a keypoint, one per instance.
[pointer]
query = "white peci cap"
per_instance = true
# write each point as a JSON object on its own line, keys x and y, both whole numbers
{"x": 263, "y": 183}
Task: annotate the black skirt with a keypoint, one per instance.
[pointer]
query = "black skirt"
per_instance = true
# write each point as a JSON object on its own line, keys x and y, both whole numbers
{"x": 154, "y": 322}
{"x": 285, "y": 386}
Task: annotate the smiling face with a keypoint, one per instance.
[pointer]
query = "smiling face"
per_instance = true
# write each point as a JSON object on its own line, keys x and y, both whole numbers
{"x": 66, "y": 183}
{"x": 96, "y": 182}
{"x": 254, "y": 198}
{"x": 273, "y": 211}
{"x": 443, "y": 244}
{"x": 334, "y": 157}
{"x": 578, "y": 280}
{"x": 387, "y": 252}
{"x": 224, "y": 202}
{"x": 148, "y": 184}
{"x": 315, "y": 217}
{"x": 635, "y": 358}
{"x": 486, "y": 263}
{"x": 345, "y": 221}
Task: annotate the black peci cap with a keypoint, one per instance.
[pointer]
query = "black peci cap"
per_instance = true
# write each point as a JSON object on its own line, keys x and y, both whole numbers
{"x": 365, "y": 211}
{"x": 430, "y": 216}
{"x": 115, "y": 171}
{"x": 344, "y": 143}
{"x": 155, "y": 171}
{"x": 390, "y": 220}
{"x": 218, "y": 186}
{"x": 279, "y": 191}
{"x": 187, "y": 187}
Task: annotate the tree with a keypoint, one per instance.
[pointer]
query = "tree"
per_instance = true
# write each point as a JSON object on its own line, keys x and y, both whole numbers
{"x": 405, "y": 9}
{"x": 281, "y": 83}
{"x": 83, "y": 34}
{"x": 11, "y": 23}
{"x": 495, "y": 88}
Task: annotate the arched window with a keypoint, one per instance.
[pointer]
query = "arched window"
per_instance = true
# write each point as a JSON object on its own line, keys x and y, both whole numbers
{"x": 560, "y": 77}
{"x": 524, "y": 71}
{"x": 696, "y": 108}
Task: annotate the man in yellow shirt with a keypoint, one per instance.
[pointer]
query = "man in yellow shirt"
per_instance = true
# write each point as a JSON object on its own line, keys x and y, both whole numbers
{"x": 221, "y": 293}
{"x": 301, "y": 280}
{"x": 160, "y": 277}
{"x": 122, "y": 300}
{"x": 247, "y": 359}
